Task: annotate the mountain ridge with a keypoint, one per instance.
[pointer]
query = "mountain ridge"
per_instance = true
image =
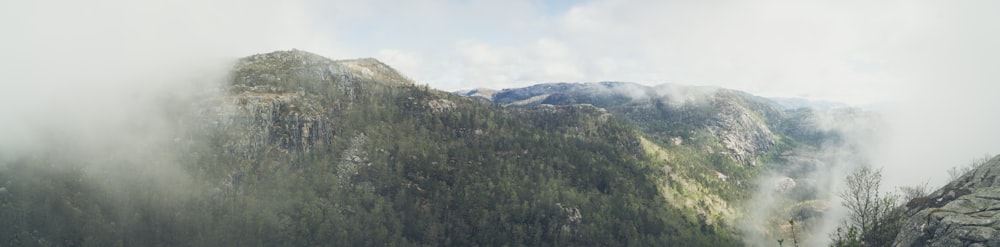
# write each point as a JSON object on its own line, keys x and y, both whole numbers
{"x": 721, "y": 139}
{"x": 297, "y": 149}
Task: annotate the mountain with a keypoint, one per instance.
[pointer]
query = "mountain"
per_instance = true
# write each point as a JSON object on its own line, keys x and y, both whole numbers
{"x": 745, "y": 127}
{"x": 727, "y": 146}
{"x": 299, "y": 150}
{"x": 668, "y": 111}
{"x": 962, "y": 213}
{"x": 294, "y": 149}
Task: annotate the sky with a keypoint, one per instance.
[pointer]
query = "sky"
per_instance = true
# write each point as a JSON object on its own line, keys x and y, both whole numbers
{"x": 837, "y": 50}
{"x": 932, "y": 64}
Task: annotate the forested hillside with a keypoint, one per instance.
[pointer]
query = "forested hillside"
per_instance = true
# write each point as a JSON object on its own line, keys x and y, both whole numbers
{"x": 727, "y": 157}
{"x": 300, "y": 150}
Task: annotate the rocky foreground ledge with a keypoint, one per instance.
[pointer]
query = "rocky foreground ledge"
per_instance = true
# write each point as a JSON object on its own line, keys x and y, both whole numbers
{"x": 966, "y": 212}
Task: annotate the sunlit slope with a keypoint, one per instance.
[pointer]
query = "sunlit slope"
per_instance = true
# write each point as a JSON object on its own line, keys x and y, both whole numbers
{"x": 717, "y": 152}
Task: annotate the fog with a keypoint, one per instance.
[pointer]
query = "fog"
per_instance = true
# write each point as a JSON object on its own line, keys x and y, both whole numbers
{"x": 816, "y": 174}
{"x": 93, "y": 74}
{"x": 948, "y": 113}
{"x": 90, "y": 79}
{"x": 942, "y": 115}
{"x": 95, "y": 86}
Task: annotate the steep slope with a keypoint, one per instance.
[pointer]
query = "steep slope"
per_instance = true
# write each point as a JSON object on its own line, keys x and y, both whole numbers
{"x": 741, "y": 122}
{"x": 962, "y": 213}
{"x": 717, "y": 148}
{"x": 300, "y": 150}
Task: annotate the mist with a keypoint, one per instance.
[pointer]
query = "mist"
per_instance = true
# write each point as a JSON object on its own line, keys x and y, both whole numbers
{"x": 947, "y": 115}
{"x": 803, "y": 187}
{"x": 93, "y": 74}
{"x": 98, "y": 90}
{"x": 941, "y": 115}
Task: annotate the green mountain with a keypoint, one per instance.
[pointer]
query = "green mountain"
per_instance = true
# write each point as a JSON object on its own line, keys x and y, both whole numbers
{"x": 300, "y": 150}
{"x": 738, "y": 159}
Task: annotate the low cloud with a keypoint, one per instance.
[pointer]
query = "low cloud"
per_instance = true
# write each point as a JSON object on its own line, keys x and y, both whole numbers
{"x": 86, "y": 71}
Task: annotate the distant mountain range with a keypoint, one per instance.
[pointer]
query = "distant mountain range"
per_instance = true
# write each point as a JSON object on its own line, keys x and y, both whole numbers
{"x": 550, "y": 88}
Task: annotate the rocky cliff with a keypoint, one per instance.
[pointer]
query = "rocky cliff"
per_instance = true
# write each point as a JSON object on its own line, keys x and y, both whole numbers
{"x": 966, "y": 212}
{"x": 739, "y": 122}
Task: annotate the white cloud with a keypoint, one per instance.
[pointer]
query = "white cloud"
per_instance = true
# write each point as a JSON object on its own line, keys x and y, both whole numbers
{"x": 826, "y": 50}
{"x": 950, "y": 114}
{"x": 786, "y": 48}
{"x": 404, "y": 61}
{"x": 86, "y": 69}
{"x": 486, "y": 65}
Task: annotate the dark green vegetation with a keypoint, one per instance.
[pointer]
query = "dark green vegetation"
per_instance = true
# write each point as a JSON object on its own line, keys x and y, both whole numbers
{"x": 299, "y": 150}
{"x": 317, "y": 154}
{"x": 727, "y": 145}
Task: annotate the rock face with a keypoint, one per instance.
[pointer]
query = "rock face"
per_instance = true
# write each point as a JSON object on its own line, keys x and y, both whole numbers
{"x": 966, "y": 212}
{"x": 740, "y": 132}
{"x": 293, "y": 98}
{"x": 739, "y": 121}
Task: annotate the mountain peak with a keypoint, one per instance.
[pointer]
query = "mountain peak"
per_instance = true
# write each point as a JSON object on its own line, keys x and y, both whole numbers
{"x": 279, "y": 68}
{"x": 373, "y": 67}
{"x": 304, "y": 57}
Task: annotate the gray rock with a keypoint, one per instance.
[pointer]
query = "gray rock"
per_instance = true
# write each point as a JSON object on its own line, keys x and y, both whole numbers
{"x": 741, "y": 133}
{"x": 966, "y": 212}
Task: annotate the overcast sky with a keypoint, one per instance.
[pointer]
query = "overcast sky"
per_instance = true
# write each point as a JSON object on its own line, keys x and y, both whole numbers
{"x": 857, "y": 52}
{"x": 846, "y": 51}
{"x": 936, "y": 61}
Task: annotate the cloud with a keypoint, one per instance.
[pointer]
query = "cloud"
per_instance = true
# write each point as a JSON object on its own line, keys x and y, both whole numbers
{"x": 766, "y": 47}
{"x": 546, "y": 60}
{"x": 406, "y": 61}
{"x": 87, "y": 71}
{"x": 949, "y": 116}
{"x": 821, "y": 50}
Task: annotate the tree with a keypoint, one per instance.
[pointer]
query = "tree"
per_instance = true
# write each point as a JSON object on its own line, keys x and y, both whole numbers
{"x": 955, "y": 172}
{"x": 909, "y": 193}
{"x": 874, "y": 217}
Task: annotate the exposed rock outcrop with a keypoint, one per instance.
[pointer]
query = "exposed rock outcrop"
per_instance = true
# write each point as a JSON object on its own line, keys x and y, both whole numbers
{"x": 739, "y": 121}
{"x": 966, "y": 212}
{"x": 293, "y": 99}
{"x": 740, "y": 132}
